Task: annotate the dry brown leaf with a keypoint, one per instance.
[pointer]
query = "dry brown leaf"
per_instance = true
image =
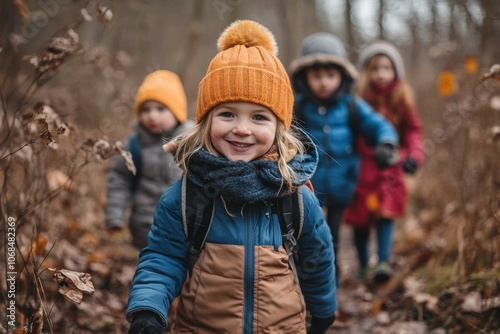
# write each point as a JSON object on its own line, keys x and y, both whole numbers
{"x": 73, "y": 284}
{"x": 86, "y": 16}
{"x": 129, "y": 162}
{"x": 32, "y": 59}
{"x": 73, "y": 35}
{"x": 493, "y": 74}
{"x": 96, "y": 257}
{"x": 57, "y": 179}
{"x": 55, "y": 53}
{"x": 35, "y": 322}
{"x": 102, "y": 150}
{"x": 20, "y": 330}
{"x": 39, "y": 245}
{"x": 495, "y": 131}
{"x": 104, "y": 14}
{"x": 377, "y": 306}
{"x": 74, "y": 225}
{"x": 88, "y": 241}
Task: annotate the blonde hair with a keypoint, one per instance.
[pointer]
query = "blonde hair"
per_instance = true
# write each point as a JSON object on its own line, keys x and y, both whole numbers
{"x": 402, "y": 93}
{"x": 288, "y": 143}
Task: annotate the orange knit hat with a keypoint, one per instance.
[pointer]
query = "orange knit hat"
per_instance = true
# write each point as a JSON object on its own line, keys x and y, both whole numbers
{"x": 165, "y": 87}
{"x": 246, "y": 69}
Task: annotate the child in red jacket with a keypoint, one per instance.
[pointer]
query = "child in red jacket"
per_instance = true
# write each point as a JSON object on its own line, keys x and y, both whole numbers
{"x": 380, "y": 195}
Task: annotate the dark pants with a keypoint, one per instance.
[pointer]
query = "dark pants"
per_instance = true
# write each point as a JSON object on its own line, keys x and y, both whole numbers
{"x": 384, "y": 228}
{"x": 334, "y": 219}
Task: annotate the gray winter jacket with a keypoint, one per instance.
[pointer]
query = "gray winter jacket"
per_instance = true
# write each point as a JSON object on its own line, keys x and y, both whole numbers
{"x": 158, "y": 171}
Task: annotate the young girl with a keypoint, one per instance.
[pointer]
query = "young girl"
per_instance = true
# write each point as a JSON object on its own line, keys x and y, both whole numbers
{"x": 242, "y": 153}
{"x": 380, "y": 195}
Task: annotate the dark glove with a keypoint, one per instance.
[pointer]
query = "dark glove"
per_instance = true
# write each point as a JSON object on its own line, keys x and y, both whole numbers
{"x": 320, "y": 325}
{"x": 410, "y": 166}
{"x": 385, "y": 155}
{"x": 146, "y": 322}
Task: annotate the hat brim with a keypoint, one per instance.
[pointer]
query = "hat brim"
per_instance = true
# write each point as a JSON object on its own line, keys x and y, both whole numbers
{"x": 322, "y": 58}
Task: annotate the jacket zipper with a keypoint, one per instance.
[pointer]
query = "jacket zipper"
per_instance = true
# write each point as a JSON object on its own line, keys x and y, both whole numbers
{"x": 249, "y": 279}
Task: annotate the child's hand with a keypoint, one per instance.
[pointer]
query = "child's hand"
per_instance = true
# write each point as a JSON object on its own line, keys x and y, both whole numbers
{"x": 146, "y": 322}
{"x": 385, "y": 155}
{"x": 320, "y": 325}
{"x": 114, "y": 229}
{"x": 410, "y": 166}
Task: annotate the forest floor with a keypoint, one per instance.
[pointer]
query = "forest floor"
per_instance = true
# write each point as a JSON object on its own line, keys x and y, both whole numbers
{"x": 370, "y": 308}
{"x": 404, "y": 305}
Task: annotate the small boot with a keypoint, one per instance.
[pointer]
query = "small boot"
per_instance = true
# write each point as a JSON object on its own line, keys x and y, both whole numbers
{"x": 362, "y": 274}
{"x": 383, "y": 272}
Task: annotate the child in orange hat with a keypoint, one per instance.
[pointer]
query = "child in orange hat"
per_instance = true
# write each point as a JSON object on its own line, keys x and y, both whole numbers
{"x": 160, "y": 105}
{"x": 242, "y": 156}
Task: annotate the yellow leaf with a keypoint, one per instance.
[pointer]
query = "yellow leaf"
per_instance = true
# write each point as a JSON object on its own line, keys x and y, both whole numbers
{"x": 372, "y": 203}
{"x": 39, "y": 245}
{"x": 471, "y": 64}
{"x": 446, "y": 83}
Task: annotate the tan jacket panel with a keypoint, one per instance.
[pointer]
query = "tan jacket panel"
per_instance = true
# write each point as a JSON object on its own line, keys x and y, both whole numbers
{"x": 212, "y": 299}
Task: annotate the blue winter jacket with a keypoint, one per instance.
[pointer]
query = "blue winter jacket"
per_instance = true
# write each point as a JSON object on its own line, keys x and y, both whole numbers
{"x": 241, "y": 281}
{"x": 338, "y": 169}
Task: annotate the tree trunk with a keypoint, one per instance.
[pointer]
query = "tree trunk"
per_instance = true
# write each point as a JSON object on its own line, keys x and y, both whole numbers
{"x": 192, "y": 41}
{"x": 489, "y": 31}
{"x": 350, "y": 39}
{"x": 381, "y": 12}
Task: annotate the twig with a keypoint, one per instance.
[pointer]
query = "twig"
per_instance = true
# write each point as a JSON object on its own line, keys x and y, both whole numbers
{"x": 45, "y": 257}
{"x": 32, "y": 141}
{"x": 39, "y": 287}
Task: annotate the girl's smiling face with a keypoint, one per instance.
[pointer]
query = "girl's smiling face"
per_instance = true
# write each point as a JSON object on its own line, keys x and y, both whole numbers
{"x": 242, "y": 130}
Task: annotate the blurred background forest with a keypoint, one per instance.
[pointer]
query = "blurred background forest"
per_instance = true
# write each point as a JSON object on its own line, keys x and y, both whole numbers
{"x": 69, "y": 71}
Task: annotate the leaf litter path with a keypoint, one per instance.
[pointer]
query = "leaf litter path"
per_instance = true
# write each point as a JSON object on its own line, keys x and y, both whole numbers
{"x": 369, "y": 308}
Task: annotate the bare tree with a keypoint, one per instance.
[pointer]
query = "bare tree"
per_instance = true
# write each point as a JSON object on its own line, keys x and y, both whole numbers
{"x": 381, "y": 16}
{"x": 349, "y": 28}
{"x": 489, "y": 30}
{"x": 192, "y": 41}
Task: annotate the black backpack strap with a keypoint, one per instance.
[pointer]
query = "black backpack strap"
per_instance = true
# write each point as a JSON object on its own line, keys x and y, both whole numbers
{"x": 291, "y": 217}
{"x": 197, "y": 215}
{"x": 353, "y": 121}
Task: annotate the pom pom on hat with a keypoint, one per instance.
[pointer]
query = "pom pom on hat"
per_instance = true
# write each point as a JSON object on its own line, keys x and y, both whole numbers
{"x": 247, "y": 33}
{"x": 246, "y": 69}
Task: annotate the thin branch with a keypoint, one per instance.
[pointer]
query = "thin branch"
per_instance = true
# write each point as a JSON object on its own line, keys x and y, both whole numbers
{"x": 32, "y": 141}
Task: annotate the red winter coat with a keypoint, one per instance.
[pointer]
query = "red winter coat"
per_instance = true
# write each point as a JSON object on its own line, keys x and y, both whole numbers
{"x": 382, "y": 193}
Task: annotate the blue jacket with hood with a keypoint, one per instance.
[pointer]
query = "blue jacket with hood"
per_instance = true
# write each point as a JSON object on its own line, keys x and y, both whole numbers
{"x": 241, "y": 282}
{"x": 335, "y": 122}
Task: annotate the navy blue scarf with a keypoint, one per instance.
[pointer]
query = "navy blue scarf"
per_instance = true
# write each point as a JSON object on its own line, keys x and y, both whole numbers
{"x": 240, "y": 182}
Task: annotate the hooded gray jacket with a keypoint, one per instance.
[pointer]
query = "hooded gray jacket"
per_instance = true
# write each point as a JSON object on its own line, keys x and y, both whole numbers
{"x": 158, "y": 171}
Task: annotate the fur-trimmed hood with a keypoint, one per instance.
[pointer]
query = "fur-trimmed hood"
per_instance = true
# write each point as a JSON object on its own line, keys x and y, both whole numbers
{"x": 323, "y": 48}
